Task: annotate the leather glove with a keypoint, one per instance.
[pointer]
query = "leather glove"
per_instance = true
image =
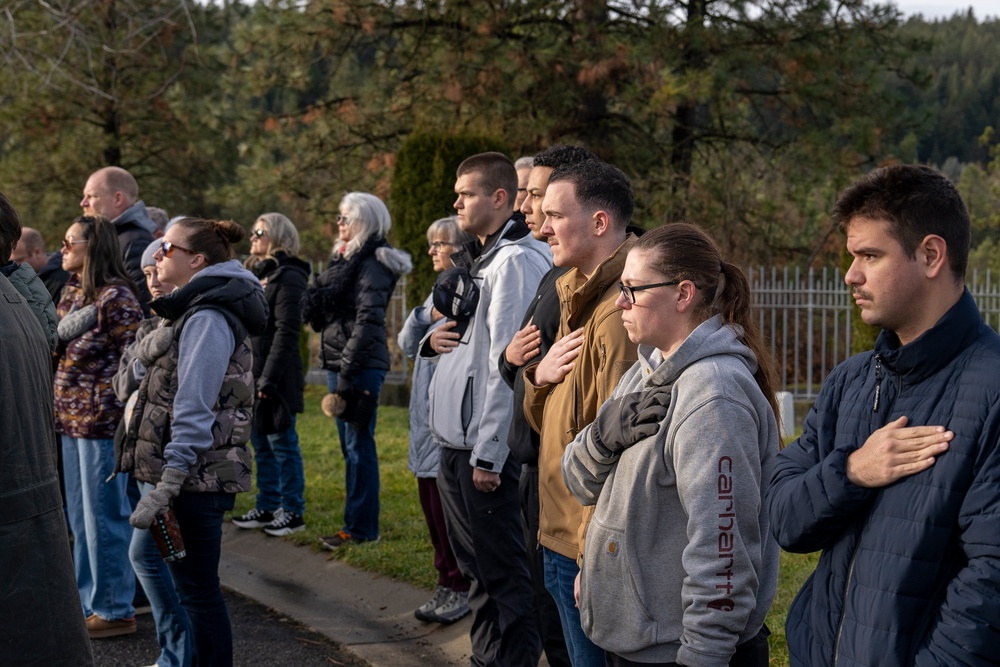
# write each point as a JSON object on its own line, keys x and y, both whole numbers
{"x": 74, "y": 324}
{"x": 154, "y": 345}
{"x": 622, "y": 422}
{"x": 158, "y": 500}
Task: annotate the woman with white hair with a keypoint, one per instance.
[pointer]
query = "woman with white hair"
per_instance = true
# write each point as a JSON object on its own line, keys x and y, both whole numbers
{"x": 278, "y": 372}
{"x": 348, "y": 305}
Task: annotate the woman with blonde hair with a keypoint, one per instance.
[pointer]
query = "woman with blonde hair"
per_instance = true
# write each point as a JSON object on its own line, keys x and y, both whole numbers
{"x": 99, "y": 313}
{"x": 679, "y": 565}
{"x": 348, "y": 305}
{"x": 277, "y": 368}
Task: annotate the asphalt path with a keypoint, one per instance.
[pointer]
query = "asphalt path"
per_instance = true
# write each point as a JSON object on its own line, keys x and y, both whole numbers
{"x": 261, "y": 638}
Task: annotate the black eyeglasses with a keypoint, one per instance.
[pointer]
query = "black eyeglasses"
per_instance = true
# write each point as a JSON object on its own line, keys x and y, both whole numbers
{"x": 258, "y": 233}
{"x": 166, "y": 248}
{"x": 629, "y": 290}
{"x": 437, "y": 245}
{"x": 341, "y": 219}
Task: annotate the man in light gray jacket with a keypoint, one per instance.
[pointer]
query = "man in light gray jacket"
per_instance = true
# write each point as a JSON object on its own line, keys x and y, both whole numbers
{"x": 471, "y": 408}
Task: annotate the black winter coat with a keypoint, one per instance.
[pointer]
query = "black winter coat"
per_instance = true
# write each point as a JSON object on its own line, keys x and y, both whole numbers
{"x": 349, "y": 304}
{"x": 277, "y": 361}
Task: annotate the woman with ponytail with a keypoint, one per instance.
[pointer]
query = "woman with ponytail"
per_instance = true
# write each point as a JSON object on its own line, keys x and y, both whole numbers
{"x": 679, "y": 565}
{"x": 186, "y": 437}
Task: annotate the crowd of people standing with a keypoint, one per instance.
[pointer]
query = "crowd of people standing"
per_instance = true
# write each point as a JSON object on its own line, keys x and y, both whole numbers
{"x": 593, "y": 423}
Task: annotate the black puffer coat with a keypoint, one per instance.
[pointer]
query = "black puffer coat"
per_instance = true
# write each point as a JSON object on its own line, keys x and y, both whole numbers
{"x": 277, "y": 362}
{"x": 349, "y": 303}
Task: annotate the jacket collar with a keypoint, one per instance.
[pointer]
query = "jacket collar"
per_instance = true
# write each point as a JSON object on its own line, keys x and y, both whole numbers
{"x": 474, "y": 251}
{"x": 581, "y": 291}
{"x": 935, "y": 348}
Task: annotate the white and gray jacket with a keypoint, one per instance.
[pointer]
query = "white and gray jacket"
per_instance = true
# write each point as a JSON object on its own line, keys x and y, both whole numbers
{"x": 679, "y": 563}
{"x": 470, "y": 404}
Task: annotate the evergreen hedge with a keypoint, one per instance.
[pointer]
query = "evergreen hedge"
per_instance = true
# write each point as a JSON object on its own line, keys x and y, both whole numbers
{"x": 423, "y": 190}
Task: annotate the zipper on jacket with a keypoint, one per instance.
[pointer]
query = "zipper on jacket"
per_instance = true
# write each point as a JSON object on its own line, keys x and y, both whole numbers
{"x": 878, "y": 382}
{"x": 843, "y": 611}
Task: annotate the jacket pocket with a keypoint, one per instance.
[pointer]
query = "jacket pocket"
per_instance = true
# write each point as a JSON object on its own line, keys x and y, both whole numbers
{"x": 612, "y": 612}
{"x": 468, "y": 406}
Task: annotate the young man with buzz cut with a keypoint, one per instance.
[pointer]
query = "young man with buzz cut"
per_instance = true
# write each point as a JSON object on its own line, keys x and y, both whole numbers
{"x": 587, "y": 207}
{"x": 896, "y": 475}
{"x": 470, "y": 412}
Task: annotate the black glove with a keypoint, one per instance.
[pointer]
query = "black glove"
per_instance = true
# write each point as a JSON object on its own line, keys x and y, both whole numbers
{"x": 622, "y": 422}
{"x": 359, "y": 408}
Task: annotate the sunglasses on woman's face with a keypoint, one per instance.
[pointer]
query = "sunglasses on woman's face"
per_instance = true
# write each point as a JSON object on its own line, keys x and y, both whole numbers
{"x": 166, "y": 248}
{"x": 258, "y": 234}
{"x": 68, "y": 245}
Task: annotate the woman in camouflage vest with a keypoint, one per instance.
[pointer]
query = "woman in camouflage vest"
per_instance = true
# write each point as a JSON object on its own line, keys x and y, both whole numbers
{"x": 189, "y": 429}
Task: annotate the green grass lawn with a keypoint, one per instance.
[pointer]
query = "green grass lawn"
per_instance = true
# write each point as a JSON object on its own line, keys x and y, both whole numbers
{"x": 404, "y": 551}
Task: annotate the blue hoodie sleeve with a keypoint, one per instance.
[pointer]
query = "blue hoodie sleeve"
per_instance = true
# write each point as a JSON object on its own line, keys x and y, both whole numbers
{"x": 204, "y": 350}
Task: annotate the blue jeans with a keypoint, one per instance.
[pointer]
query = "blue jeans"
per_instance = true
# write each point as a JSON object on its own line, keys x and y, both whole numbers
{"x": 196, "y": 576}
{"x": 98, "y": 513}
{"x": 280, "y": 479}
{"x": 173, "y": 632}
{"x": 361, "y": 506}
{"x": 560, "y": 575}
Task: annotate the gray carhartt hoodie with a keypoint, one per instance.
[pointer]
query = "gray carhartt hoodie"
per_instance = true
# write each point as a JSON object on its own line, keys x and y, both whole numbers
{"x": 679, "y": 563}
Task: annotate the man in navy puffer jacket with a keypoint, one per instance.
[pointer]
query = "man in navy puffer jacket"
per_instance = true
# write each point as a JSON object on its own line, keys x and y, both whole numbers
{"x": 896, "y": 477}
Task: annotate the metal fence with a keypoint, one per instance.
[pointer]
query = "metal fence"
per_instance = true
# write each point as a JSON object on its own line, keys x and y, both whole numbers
{"x": 805, "y": 316}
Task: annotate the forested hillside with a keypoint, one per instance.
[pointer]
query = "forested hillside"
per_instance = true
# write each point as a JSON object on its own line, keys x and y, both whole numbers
{"x": 746, "y": 116}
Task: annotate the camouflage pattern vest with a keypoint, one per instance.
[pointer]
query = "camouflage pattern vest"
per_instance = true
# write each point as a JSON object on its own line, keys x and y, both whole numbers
{"x": 223, "y": 468}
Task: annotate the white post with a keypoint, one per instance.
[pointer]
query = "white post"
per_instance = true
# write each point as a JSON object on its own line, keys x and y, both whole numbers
{"x": 786, "y": 408}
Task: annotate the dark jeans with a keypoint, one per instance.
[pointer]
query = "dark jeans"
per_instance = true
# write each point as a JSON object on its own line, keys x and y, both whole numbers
{"x": 196, "y": 577}
{"x": 751, "y": 653}
{"x": 361, "y": 505}
{"x": 487, "y": 535}
{"x": 449, "y": 574}
{"x": 546, "y": 613}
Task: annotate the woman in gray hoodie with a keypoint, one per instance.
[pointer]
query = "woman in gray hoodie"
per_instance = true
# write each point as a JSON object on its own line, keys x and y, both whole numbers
{"x": 679, "y": 565}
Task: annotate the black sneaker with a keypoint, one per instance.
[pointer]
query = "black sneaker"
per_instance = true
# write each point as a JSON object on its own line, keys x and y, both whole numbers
{"x": 255, "y": 518}
{"x": 285, "y": 523}
{"x": 332, "y": 542}
{"x": 425, "y": 612}
{"x": 454, "y": 608}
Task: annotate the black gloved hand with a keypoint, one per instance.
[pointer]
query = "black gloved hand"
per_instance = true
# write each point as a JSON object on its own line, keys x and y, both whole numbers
{"x": 622, "y": 422}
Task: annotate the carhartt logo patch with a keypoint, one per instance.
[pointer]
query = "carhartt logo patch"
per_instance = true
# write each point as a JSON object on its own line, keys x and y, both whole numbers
{"x": 612, "y": 548}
